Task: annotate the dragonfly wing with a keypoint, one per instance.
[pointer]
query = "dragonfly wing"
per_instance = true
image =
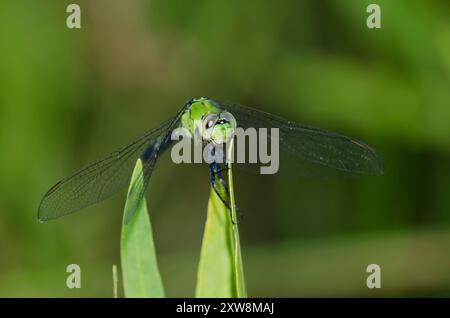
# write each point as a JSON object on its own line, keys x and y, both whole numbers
{"x": 315, "y": 145}
{"x": 104, "y": 177}
{"x": 148, "y": 161}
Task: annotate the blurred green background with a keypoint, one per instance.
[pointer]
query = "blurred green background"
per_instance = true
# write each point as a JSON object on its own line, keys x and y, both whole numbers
{"x": 68, "y": 97}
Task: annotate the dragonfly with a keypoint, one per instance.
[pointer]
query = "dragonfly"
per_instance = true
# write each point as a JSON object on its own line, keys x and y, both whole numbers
{"x": 105, "y": 177}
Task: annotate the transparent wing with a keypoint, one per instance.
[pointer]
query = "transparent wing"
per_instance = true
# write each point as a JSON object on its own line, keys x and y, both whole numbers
{"x": 103, "y": 178}
{"x": 312, "y": 144}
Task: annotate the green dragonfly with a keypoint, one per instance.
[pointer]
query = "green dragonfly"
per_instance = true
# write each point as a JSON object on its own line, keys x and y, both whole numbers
{"x": 105, "y": 177}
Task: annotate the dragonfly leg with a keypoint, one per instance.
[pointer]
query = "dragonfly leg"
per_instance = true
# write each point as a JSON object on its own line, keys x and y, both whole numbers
{"x": 225, "y": 186}
{"x": 216, "y": 175}
{"x": 221, "y": 179}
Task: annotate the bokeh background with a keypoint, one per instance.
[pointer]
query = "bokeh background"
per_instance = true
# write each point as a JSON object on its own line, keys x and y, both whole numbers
{"x": 68, "y": 97}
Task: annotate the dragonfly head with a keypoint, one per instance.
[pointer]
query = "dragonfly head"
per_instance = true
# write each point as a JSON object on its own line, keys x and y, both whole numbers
{"x": 202, "y": 116}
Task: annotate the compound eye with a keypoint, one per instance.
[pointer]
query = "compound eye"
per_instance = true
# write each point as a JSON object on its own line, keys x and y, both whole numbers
{"x": 210, "y": 120}
{"x": 227, "y": 117}
{"x": 208, "y": 124}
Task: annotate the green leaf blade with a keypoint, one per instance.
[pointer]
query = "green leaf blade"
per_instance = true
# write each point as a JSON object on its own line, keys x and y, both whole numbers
{"x": 220, "y": 271}
{"x": 241, "y": 289}
{"x": 215, "y": 271}
{"x": 141, "y": 277}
